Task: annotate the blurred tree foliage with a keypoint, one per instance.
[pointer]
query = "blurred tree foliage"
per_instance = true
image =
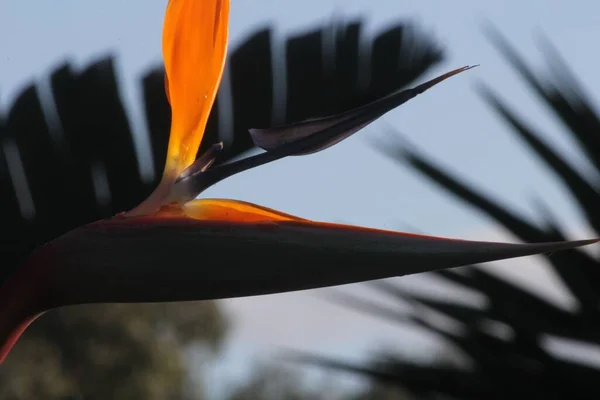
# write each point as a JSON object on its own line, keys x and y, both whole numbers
{"x": 274, "y": 381}
{"x": 111, "y": 351}
{"x": 280, "y": 382}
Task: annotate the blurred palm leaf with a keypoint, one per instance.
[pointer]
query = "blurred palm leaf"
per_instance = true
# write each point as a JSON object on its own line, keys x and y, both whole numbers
{"x": 70, "y": 160}
{"x": 517, "y": 366}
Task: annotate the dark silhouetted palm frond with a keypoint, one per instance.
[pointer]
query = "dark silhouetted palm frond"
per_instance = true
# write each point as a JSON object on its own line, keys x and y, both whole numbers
{"x": 70, "y": 160}
{"x": 516, "y": 364}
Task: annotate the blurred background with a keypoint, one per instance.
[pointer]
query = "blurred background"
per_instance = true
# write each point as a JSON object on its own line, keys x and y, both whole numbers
{"x": 508, "y": 151}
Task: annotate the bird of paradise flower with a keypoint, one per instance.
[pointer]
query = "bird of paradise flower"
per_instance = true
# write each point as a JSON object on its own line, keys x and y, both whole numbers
{"x": 174, "y": 247}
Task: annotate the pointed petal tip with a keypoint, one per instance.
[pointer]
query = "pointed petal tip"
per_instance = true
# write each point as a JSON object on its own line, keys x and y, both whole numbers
{"x": 552, "y": 247}
{"x": 334, "y": 129}
{"x": 584, "y": 242}
{"x": 429, "y": 84}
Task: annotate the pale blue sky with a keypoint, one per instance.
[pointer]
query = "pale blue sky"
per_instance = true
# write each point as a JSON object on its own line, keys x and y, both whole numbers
{"x": 449, "y": 122}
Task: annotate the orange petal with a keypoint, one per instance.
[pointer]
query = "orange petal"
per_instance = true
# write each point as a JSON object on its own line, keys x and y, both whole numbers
{"x": 194, "y": 49}
{"x": 234, "y": 211}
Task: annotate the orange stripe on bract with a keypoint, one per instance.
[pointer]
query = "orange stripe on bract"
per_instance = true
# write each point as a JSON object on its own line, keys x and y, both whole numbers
{"x": 234, "y": 211}
{"x": 194, "y": 49}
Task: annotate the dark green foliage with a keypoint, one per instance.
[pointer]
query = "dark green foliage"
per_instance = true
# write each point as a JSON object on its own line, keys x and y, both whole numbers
{"x": 281, "y": 382}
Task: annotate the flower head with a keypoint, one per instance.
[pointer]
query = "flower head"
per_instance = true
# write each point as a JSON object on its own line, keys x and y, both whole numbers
{"x": 173, "y": 247}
